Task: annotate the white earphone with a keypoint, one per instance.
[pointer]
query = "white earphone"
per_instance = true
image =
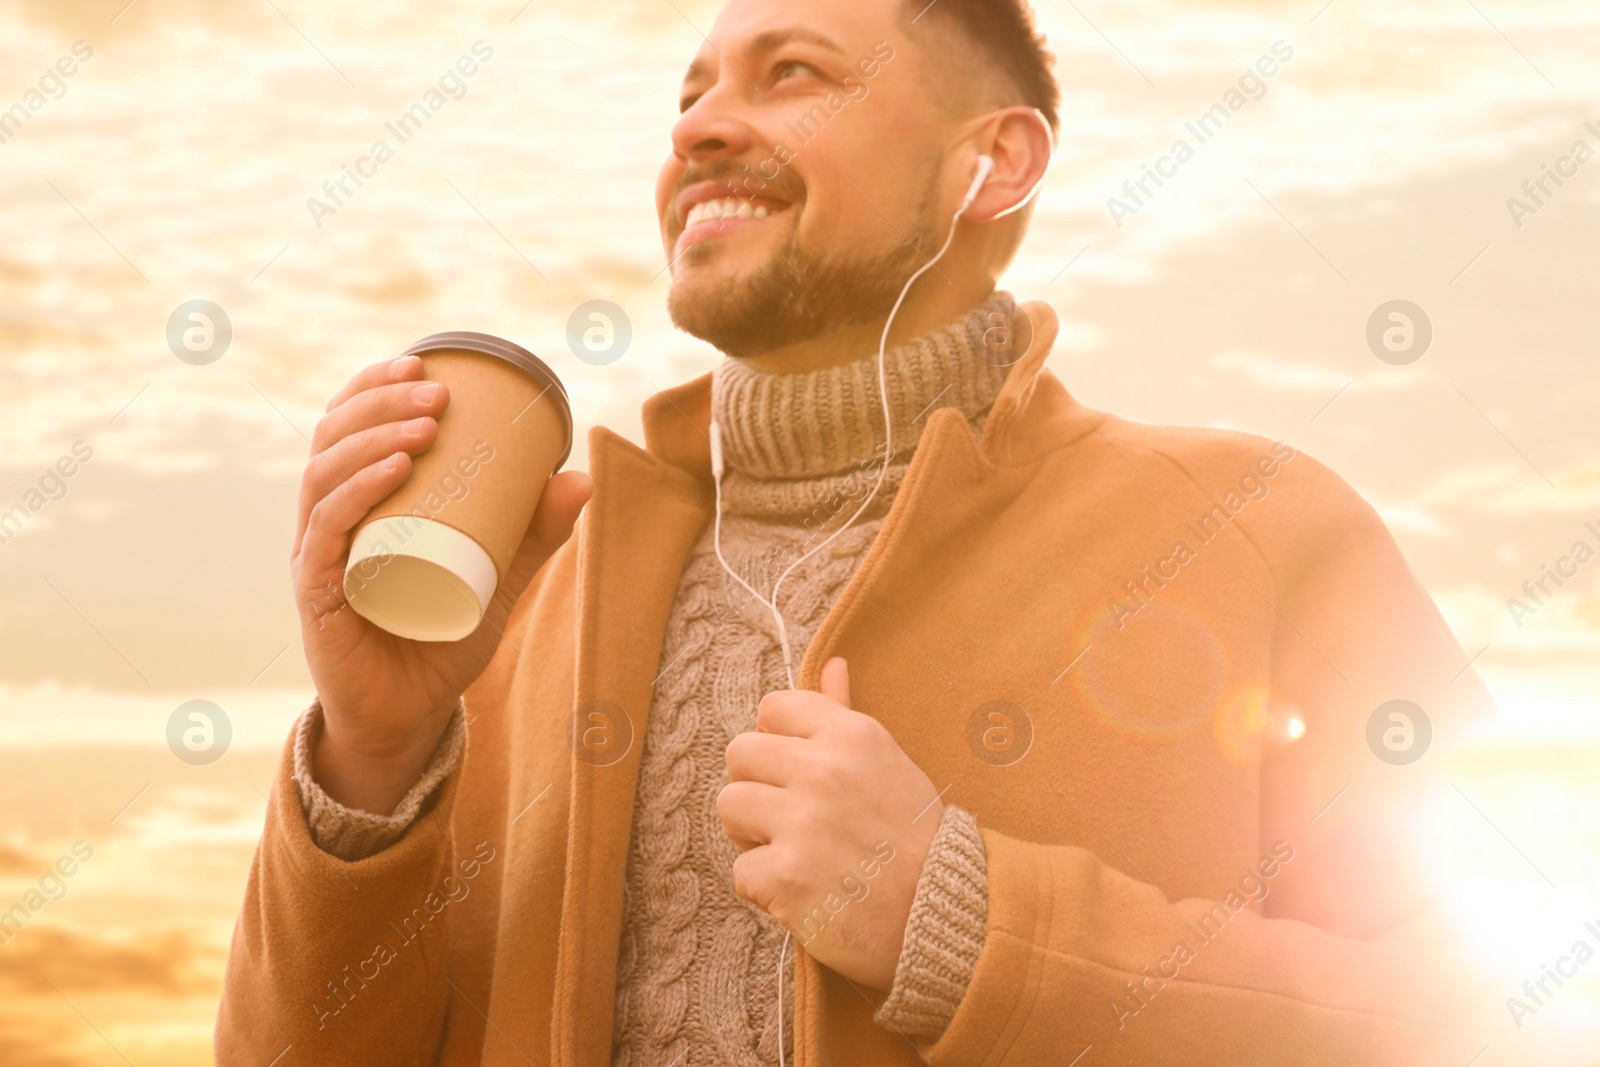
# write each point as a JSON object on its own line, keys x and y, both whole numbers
{"x": 985, "y": 169}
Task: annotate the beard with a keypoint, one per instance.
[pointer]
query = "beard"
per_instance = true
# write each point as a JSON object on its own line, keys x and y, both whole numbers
{"x": 799, "y": 294}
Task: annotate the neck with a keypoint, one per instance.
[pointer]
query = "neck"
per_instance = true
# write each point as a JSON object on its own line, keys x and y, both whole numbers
{"x": 932, "y": 302}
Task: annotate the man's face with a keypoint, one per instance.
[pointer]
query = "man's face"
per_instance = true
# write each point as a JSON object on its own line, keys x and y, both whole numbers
{"x": 802, "y": 167}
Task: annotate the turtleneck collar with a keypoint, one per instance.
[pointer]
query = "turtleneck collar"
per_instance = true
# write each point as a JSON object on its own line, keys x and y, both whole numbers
{"x": 817, "y": 424}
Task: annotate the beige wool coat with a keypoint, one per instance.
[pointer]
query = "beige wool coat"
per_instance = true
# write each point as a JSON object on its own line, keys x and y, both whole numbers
{"x": 1195, "y": 854}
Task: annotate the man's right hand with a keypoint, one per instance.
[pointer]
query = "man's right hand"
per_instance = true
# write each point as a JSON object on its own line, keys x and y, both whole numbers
{"x": 385, "y": 700}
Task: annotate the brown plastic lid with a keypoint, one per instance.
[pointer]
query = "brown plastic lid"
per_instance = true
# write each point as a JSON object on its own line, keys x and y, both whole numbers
{"x": 514, "y": 354}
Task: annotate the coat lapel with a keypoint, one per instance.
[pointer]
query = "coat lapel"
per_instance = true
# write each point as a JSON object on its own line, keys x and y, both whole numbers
{"x": 649, "y": 506}
{"x": 635, "y": 535}
{"x": 883, "y": 617}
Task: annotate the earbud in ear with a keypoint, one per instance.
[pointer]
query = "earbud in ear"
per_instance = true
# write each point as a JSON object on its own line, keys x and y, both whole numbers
{"x": 985, "y": 168}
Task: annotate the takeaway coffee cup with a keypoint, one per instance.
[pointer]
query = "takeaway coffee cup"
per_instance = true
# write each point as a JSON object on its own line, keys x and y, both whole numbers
{"x": 425, "y": 562}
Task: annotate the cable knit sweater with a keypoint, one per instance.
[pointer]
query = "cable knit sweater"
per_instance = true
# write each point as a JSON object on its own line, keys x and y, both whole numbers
{"x": 697, "y": 973}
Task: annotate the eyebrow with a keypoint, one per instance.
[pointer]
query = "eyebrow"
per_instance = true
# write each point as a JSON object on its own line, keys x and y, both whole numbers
{"x": 770, "y": 41}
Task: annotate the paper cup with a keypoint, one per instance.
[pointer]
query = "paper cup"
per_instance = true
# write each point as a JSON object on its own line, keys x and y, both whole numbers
{"x": 425, "y": 562}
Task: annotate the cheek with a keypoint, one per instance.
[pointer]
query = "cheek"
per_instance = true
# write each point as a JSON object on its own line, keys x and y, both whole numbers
{"x": 666, "y": 181}
{"x": 882, "y": 194}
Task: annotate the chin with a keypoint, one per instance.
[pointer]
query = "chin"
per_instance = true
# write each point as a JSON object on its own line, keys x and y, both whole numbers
{"x": 786, "y": 297}
{"x": 732, "y": 306}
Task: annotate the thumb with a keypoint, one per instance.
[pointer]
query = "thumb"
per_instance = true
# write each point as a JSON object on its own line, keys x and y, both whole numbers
{"x": 835, "y": 680}
{"x": 563, "y": 498}
{"x": 559, "y": 504}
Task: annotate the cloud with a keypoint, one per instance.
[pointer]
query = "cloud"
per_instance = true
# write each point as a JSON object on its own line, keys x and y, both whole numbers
{"x": 37, "y": 1047}
{"x": 15, "y": 861}
{"x": 1409, "y": 517}
{"x": 1272, "y": 372}
{"x": 173, "y": 963}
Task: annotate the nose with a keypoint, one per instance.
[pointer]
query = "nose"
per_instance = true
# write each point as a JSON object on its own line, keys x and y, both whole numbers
{"x": 715, "y": 124}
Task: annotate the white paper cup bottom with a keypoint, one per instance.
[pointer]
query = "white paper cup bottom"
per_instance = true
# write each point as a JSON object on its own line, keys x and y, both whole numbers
{"x": 419, "y": 579}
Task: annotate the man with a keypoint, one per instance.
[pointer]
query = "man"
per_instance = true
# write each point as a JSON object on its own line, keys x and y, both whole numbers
{"x": 1077, "y": 760}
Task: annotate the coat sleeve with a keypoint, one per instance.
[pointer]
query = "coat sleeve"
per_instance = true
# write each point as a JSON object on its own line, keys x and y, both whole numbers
{"x": 1336, "y": 949}
{"x": 351, "y": 834}
{"x": 333, "y": 959}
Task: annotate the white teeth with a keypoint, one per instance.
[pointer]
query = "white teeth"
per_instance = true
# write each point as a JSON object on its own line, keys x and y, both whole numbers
{"x": 726, "y": 207}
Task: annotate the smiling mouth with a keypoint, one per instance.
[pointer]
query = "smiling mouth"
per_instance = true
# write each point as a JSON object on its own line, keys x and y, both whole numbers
{"x": 727, "y": 207}
{"x": 724, "y": 214}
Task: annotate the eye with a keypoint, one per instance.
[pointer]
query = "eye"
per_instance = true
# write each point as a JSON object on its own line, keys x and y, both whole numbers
{"x": 788, "y": 67}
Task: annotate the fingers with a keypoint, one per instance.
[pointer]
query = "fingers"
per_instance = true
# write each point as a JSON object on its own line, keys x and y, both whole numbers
{"x": 378, "y": 405}
{"x": 327, "y": 537}
{"x": 750, "y": 812}
{"x": 404, "y": 369}
{"x": 769, "y": 758}
{"x": 757, "y": 876}
{"x": 327, "y": 469}
{"x": 796, "y": 713}
{"x": 381, "y": 394}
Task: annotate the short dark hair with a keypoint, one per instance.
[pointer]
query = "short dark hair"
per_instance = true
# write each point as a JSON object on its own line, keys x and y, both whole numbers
{"x": 1007, "y": 39}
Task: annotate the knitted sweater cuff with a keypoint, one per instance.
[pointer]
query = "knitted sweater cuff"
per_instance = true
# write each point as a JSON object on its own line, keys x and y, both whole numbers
{"x": 945, "y": 932}
{"x": 349, "y": 833}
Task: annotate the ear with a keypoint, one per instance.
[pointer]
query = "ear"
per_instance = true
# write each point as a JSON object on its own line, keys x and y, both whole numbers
{"x": 1019, "y": 141}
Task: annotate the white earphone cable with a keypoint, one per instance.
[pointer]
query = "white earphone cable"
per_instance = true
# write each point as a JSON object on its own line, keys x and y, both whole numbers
{"x": 985, "y": 167}
{"x": 883, "y": 390}
{"x": 888, "y": 441}
{"x": 786, "y": 936}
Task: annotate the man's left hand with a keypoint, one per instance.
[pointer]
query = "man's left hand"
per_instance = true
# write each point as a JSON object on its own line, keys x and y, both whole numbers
{"x": 834, "y": 821}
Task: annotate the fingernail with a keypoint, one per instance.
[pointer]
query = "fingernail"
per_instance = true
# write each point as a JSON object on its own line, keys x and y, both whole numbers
{"x": 400, "y": 366}
{"x": 425, "y": 392}
{"x": 392, "y": 462}
{"x": 414, "y": 427}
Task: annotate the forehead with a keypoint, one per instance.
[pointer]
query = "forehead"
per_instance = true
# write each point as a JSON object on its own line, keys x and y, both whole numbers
{"x": 747, "y": 27}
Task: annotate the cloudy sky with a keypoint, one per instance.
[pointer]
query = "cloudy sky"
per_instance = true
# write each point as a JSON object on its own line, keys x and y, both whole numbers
{"x": 176, "y": 164}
